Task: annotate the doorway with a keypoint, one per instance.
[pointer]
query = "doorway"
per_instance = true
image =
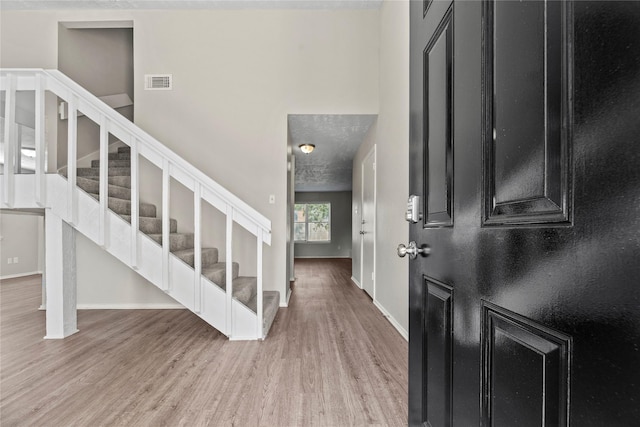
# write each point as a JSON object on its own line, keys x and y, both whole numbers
{"x": 99, "y": 57}
{"x": 322, "y": 180}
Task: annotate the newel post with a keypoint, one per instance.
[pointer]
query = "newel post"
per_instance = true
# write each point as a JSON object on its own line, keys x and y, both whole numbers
{"x": 60, "y": 277}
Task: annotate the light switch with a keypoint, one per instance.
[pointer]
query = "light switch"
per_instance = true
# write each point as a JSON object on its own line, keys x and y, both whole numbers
{"x": 272, "y": 199}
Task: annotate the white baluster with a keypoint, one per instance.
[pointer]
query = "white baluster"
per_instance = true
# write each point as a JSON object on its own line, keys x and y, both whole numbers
{"x": 18, "y": 150}
{"x": 197, "y": 248}
{"x": 104, "y": 182}
{"x": 135, "y": 203}
{"x": 40, "y": 142}
{"x": 260, "y": 330}
{"x": 166, "y": 223}
{"x": 9, "y": 140}
{"x": 229, "y": 268}
{"x": 72, "y": 163}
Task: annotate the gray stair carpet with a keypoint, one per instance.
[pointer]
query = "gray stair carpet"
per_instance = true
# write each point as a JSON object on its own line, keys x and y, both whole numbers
{"x": 181, "y": 245}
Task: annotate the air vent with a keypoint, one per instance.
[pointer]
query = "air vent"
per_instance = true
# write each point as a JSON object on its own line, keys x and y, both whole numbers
{"x": 158, "y": 81}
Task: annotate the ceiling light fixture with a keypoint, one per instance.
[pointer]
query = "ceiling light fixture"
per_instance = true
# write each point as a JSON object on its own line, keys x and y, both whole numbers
{"x": 306, "y": 148}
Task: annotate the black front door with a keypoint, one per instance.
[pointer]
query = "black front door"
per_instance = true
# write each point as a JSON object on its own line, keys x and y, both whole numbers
{"x": 525, "y": 153}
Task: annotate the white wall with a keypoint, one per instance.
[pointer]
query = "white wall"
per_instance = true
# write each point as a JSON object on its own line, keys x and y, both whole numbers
{"x": 21, "y": 236}
{"x": 391, "y": 136}
{"x": 122, "y": 288}
{"x": 237, "y": 74}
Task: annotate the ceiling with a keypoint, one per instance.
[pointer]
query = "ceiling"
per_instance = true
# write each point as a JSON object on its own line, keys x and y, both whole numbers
{"x": 190, "y": 4}
{"x": 337, "y": 138}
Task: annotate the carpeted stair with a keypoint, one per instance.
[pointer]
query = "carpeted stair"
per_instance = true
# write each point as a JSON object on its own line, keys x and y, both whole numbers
{"x": 181, "y": 244}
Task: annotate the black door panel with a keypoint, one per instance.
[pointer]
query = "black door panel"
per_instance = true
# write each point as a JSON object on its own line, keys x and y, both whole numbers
{"x": 525, "y": 150}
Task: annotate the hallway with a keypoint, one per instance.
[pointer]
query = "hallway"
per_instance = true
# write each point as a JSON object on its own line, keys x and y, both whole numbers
{"x": 331, "y": 359}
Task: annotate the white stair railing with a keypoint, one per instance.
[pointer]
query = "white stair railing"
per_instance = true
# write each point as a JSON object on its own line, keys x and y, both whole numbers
{"x": 142, "y": 144}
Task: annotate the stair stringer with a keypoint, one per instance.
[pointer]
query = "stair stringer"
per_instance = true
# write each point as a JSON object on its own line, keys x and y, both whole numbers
{"x": 182, "y": 284}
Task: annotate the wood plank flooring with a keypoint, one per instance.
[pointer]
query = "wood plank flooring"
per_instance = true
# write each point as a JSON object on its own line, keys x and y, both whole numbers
{"x": 331, "y": 359}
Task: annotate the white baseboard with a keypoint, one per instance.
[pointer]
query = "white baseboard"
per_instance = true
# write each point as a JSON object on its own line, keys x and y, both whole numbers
{"x": 354, "y": 280}
{"x": 392, "y": 320}
{"x": 15, "y": 276}
{"x": 285, "y": 304}
{"x": 140, "y": 306}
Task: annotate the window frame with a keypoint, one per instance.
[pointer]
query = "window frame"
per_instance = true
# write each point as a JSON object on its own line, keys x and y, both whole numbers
{"x": 307, "y": 222}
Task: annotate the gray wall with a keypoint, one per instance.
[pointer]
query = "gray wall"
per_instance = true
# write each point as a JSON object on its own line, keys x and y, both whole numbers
{"x": 340, "y": 245}
{"x": 21, "y": 236}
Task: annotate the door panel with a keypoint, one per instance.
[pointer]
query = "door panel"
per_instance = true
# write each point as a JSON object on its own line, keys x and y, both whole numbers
{"x": 525, "y": 371}
{"x": 526, "y": 310}
{"x": 438, "y": 151}
{"x": 527, "y": 155}
{"x": 438, "y": 327}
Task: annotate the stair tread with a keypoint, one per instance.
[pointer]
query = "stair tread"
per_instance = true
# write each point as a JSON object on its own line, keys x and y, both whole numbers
{"x": 270, "y": 306}
{"x": 178, "y": 241}
{"x": 119, "y": 180}
{"x": 244, "y": 289}
{"x": 209, "y": 256}
{"x": 155, "y": 224}
{"x": 117, "y": 163}
{"x": 93, "y": 186}
{"x": 217, "y": 273}
{"x": 117, "y": 171}
{"x": 117, "y": 205}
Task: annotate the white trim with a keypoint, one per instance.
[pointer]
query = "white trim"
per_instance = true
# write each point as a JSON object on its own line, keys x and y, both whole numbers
{"x": 96, "y": 24}
{"x": 372, "y": 152}
{"x": 60, "y": 337}
{"x": 138, "y": 306}
{"x": 392, "y": 320}
{"x": 15, "y": 276}
{"x": 354, "y": 280}
{"x": 285, "y": 304}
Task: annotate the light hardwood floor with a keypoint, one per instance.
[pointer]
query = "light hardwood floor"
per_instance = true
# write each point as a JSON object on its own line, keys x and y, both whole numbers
{"x": 331, "y": 359}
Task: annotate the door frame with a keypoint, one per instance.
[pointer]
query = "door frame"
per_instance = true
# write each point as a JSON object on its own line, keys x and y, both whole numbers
{"x": 371, "y": 152}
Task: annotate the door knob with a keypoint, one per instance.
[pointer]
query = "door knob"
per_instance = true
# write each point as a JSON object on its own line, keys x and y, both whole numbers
{"x": 412, "y": 250}
{"x": 363, "y": 232}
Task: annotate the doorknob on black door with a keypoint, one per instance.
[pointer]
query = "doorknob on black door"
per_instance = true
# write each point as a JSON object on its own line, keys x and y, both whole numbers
{"x": 412, "y": 250}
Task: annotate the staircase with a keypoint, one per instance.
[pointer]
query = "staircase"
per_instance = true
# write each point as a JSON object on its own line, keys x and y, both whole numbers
{"x": 195, "y": 278}
{"x": 181, "y": 244}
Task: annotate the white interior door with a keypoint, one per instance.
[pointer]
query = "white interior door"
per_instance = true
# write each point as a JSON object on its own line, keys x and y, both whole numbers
{"x": 368, "y": 223}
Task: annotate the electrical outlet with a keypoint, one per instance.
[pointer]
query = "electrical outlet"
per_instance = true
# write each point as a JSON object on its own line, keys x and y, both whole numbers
{"x": 15, "y": 260}
{"x": 9, "y": 260}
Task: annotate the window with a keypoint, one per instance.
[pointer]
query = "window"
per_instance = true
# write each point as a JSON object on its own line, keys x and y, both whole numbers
{"x": 312, "y": 222}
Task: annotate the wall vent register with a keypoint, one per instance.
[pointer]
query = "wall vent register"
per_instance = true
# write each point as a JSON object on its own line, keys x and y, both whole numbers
{"x": 158, "y": 82}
